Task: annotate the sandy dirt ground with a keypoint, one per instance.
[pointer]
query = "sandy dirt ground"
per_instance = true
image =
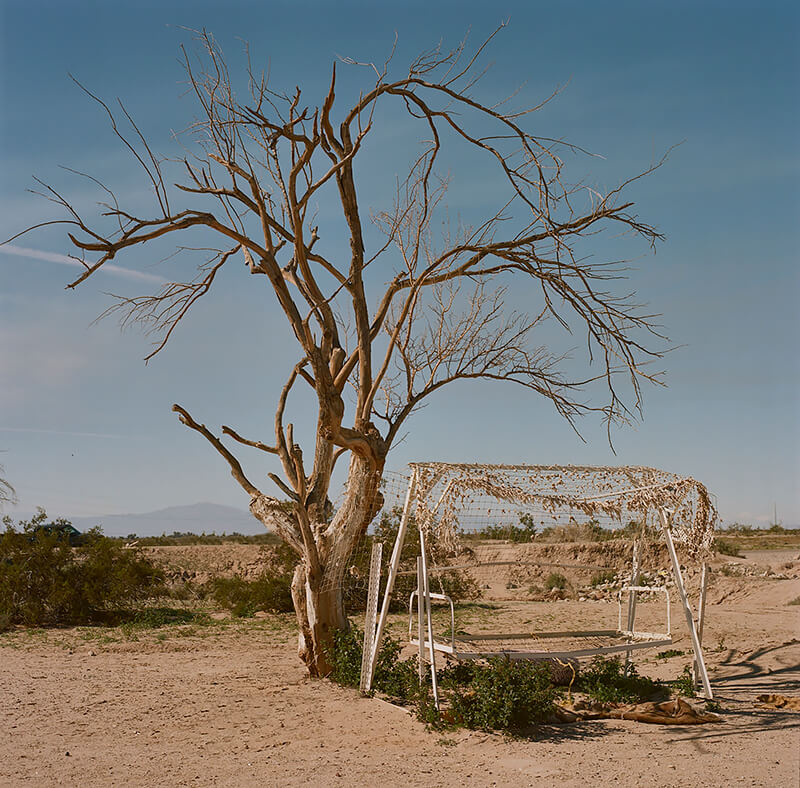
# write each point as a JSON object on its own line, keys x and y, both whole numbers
{"x": 229, "y": 705}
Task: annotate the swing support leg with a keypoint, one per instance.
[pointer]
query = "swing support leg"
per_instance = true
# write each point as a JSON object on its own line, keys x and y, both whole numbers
{"x": 687, "y": 610}
{"x": 632, "y": 600}
{"x": 701, "y": 616}
{"x": 426, "y": 591}
{"x": 394, "y": 565}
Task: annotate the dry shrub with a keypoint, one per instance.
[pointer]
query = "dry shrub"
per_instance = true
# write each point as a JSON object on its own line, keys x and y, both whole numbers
{"x": 46, "y": 582}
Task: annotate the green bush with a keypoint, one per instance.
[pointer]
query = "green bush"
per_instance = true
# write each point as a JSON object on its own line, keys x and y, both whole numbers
{"x": 243, "y": 598}
{"x": 726, "y": 547}
{"x": 345, "y": 655}
{"x": 270, "y": 591}
{"x": 589, "y": 531}
{"x": 670, "y": 652}
{"x": 394, "y": 677}
{"x": 45, "y": 582}
{"x": 501, "y": 695}
{"x": 157, "y": 617}
{"x": 604, "y": 576}
{"x": 605, "y": 681}
{"x": 685, "y": 684}
{"x": 522, "y": 533}
{"x": 555, "y": 580}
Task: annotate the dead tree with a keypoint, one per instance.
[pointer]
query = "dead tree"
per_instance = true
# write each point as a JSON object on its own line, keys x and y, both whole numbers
{"x": 261, "y": 163}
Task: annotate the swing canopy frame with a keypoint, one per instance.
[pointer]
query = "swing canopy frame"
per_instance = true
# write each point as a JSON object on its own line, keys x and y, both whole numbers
{"x": 438, "y": 494}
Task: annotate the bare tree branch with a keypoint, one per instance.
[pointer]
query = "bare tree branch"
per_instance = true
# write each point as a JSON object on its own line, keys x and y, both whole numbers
{"x": 7, "y": 493}
{"x": 236, "y": 468}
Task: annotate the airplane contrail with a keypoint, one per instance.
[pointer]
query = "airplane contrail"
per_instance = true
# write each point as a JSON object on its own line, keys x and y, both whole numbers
{"x": 62, "y": 259}
{"x": 64, "y": 432}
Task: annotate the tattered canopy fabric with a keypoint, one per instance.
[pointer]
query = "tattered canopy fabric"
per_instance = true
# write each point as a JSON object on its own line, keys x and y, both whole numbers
{"x": 445, "y": 489}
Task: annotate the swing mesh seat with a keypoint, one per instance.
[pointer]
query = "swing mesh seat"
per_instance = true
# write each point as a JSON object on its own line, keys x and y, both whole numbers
{"x": 538, "y": 644}
{"x": 547, "y": 645}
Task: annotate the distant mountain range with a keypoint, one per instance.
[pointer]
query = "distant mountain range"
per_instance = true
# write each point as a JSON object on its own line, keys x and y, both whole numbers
{"x": 195, "y": 518}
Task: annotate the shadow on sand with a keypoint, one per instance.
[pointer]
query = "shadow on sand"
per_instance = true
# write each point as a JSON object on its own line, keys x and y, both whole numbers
{"x": 746, "y": 677}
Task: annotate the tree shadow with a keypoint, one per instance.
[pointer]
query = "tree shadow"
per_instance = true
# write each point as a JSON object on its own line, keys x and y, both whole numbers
{"x": 740, "y": 723}
{"x": 760, "y": 652}
{"x": 558, "y": 733}
{"x": 785, "y": 681}
{"x": 749, "y": 677}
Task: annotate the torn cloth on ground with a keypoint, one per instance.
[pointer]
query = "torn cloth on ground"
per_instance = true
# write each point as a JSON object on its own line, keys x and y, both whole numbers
{"x": 671, "y": 712}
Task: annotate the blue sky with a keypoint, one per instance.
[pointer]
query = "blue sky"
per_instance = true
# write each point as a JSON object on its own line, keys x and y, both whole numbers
{"x": 86, "y": 427}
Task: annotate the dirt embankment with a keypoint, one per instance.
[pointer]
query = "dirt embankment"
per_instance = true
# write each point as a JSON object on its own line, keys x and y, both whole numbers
{"x": 597, "y": 570}
{"x": 511, "y": 571}
{"x": 200, "y": 563}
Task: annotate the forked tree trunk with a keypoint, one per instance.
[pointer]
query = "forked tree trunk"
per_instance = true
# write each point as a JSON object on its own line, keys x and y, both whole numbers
{"x": 319, "y": 613}
{"x": 319, "y": 602}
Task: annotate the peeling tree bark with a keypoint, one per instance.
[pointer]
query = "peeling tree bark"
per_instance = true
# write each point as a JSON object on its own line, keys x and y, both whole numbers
{"x": 318, "y": 597}
{"x": 320, "y": 607}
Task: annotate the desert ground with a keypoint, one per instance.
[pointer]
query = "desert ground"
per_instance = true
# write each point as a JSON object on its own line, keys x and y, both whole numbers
{"x": 229, "y": 703}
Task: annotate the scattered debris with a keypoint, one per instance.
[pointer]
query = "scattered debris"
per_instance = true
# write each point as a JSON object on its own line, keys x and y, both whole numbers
{"x": 780, "y": 702}
{"x": 671, "y": 712}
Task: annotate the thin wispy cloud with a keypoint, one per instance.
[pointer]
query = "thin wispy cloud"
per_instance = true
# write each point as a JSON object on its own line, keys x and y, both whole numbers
{"x": 64, "y": 432}
{"x": 62, "y": 259}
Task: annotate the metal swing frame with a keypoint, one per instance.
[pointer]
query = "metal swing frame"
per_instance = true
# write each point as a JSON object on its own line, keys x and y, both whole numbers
{"x": 428, "y": 646}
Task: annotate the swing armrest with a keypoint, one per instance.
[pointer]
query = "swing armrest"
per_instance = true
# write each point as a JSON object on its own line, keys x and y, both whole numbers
{"x": 438, "y": 598}
{"x": 629, "y": 589}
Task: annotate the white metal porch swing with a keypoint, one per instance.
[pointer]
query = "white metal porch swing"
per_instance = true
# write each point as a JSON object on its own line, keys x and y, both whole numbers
{"x": 438, "y": 495}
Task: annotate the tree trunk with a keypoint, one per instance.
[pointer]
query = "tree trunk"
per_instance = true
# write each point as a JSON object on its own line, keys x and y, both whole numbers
{"x": 319, "y": 602}
{"x": 319, "y": 613}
